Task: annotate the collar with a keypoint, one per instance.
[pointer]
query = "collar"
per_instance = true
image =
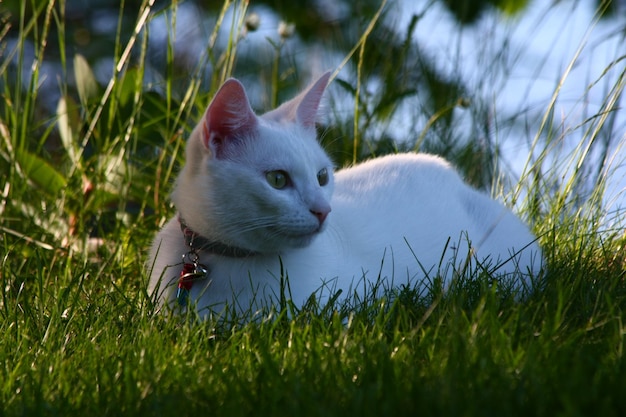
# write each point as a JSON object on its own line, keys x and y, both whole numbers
{"x": 201, "y": 243}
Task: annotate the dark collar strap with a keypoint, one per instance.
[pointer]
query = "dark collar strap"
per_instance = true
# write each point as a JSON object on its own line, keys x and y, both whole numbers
{"x": 202, "y": 244}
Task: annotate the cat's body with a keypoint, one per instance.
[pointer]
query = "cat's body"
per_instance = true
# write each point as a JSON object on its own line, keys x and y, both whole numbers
{"x": 265, "y": 186}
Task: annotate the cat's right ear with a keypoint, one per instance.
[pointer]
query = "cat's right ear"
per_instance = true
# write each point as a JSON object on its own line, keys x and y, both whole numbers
{"x": 228, "y": 117}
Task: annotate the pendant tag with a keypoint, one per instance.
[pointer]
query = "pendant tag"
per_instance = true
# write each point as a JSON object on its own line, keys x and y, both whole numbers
{"x": 191, "y": 272}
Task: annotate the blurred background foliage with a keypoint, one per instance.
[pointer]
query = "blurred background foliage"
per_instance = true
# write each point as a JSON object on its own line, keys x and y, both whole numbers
{"x": 95, "y": 29}
{"x": 118, "y": 141}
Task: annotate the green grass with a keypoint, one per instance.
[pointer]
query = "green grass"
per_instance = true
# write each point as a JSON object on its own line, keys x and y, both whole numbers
{"x": 79, "y": 334}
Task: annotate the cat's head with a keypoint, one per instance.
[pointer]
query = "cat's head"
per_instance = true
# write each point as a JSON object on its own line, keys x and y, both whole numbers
{"x": 261, "y": 183}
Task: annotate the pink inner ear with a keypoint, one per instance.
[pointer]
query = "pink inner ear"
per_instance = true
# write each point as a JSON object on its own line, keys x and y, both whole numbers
{"x": 228, "y": 117}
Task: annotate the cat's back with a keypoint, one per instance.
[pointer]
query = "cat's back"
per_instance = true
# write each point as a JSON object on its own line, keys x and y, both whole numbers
{"x": 390, "y": 198}
{"x": 420, "y": 200}
{"x": 397, "y": 175}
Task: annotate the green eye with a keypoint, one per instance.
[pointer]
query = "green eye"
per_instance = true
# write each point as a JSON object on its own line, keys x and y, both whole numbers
{"x": 277, "y": 179}
{"x": 322, "y": 177}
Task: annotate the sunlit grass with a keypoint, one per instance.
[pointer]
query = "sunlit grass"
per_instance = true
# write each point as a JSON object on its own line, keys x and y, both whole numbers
{"x": 79, "y": 334}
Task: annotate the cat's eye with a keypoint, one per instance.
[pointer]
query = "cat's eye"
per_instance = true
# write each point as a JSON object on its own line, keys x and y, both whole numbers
{"x": 322, "y": 177}
{"x": 277, "y": 179}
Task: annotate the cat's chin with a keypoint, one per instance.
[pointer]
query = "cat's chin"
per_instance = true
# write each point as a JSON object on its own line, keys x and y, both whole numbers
{"x": 303, "y": 241}
{"x": 283, "y": 241}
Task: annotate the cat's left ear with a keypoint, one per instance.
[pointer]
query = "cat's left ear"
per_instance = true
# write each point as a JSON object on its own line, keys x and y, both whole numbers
{"x": 302, "y": 108}
{"x": 228, "y": 117}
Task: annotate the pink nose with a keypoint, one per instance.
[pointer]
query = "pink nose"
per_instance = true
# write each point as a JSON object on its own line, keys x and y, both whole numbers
{"x": 321, "y": 215}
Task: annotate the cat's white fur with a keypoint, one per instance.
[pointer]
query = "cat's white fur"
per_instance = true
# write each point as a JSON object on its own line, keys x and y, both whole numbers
{"x": 396, "y": 219}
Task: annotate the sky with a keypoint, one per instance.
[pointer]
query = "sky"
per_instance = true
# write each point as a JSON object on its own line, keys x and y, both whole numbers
{"x": 540, "y": 45}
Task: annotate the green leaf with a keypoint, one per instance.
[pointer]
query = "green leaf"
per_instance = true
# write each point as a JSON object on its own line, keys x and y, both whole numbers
{"x": 101, "y": 198}
{"x": 345, "y": 85}
{"x": 129, "y": 85}
{"x": 40, "y": 172}
{"x": 68, "y": 122}
{"x": 86, "y": 83}
{"x": 511, "y": 7}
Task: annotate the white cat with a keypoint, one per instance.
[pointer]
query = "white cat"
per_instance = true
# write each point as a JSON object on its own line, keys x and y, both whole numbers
{"x": 258, "y": 203}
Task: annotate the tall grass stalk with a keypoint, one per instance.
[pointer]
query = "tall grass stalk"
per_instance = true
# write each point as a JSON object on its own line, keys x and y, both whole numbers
{"x": 539, "y": 150}
{"x": 121, "y": 63}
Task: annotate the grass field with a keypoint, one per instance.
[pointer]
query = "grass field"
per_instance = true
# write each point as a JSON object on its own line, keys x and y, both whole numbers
{"x": 84, "y": 190}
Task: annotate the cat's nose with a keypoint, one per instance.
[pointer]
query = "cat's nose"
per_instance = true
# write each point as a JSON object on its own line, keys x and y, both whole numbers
{"x": 320, "y": 214}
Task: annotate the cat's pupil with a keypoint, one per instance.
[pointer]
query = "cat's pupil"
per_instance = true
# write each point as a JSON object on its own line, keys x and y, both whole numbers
{"x": 322, "y": 177}
{"x": 277, "y": 179}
